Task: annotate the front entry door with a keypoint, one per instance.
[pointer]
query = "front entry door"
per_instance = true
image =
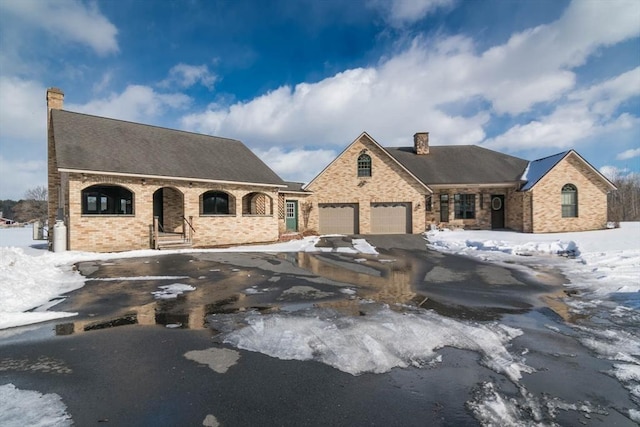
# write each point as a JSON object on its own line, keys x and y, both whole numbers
{"x": 158, "y": 206}
{"x": 291, "y": 215}
{"x": 497, "y": 211}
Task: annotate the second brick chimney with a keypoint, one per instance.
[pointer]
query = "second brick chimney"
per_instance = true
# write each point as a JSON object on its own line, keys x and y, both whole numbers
{"x": 421, "y": 142}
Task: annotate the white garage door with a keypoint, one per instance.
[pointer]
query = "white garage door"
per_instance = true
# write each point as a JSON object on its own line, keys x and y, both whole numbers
{"x": 338, "y": 218}
{"x": 390, "y": 218}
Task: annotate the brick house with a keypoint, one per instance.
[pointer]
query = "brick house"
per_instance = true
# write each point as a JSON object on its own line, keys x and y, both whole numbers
{"x": 370, "y": 189}
{"x": 119, "y": 186}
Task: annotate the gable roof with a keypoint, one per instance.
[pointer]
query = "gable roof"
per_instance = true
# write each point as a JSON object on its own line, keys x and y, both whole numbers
{"x": 375, "y": 143}
{"x": 460, "y": 164}
{"x": 537, "y": 169}
{"x": 102, "y": 145}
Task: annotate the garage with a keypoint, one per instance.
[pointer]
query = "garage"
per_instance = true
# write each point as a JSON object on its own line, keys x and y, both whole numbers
{"x": 338, "y": 218}
{"x": 390, "y": 218}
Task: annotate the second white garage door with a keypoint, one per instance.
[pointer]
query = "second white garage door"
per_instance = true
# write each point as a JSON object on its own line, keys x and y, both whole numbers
{"x": 390, "y": 218}
{"x": 338, "y": 218}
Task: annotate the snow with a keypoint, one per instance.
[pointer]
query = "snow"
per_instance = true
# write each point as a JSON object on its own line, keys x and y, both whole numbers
{"x": 605, "y": 271}
{"x": 20, "y": 408}
{"x": 377, "y": 342}
{"x": 31, "y": 276}
{"x": 606, "y": 260}
{"x": 172, "y": 291}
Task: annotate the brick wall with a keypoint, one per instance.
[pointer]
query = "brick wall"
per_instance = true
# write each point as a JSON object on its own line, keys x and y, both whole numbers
{"x": 546, "y": 198}
{"x": 112, "y": 233}
{"x": 339, "y": 183}
{"x": 55, "y": 99}
{"x": 482, "y": 218}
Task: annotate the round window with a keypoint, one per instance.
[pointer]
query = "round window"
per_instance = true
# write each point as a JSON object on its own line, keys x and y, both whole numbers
{"x": 496, "y": 203}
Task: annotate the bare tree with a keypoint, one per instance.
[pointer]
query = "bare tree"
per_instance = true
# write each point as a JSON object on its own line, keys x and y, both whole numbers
{"x": 33, "y": 207}
{"x": 624, "y": 203}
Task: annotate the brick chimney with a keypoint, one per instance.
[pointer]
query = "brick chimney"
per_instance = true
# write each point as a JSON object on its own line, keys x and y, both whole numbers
{"x": 55, "y": 98}
{"x": 55, "y": 205}
{"x": 421, "y": 142}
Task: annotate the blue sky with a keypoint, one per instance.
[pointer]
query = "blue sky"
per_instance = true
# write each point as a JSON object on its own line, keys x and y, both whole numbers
{"x": 298, "y": 80}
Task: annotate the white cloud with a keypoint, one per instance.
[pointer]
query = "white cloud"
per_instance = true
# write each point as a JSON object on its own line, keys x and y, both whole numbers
{"x": 607, "y": 96}
{"x": 629, "y": 154}
{"x": 23, "y": 115}
{"x": 400, "y": 12}
{"x": 18, "y": 176}
{"x": 185, "y": 76}
{"x": 136, "y": 103}
{"x": 70, "y": 20}
{"x": 301, "y": 165}
{"x": 408, "y": 92}
{"x": 586, "y": 113}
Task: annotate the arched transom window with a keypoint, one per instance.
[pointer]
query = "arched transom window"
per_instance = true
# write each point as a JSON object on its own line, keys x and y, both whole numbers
{"x": 107, "y": 200}
{"x": 364, "y": 165}
{"x": 569, "y": 201}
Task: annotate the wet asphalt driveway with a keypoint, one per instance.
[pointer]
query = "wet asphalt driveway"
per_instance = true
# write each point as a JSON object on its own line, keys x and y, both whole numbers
{"x": 130, "y": 359}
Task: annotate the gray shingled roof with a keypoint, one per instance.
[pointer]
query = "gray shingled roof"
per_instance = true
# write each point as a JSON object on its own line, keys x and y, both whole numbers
{"x": 460, "y": 164}
{"x": 294, "y": 187}
{"x": 92, "y": 143}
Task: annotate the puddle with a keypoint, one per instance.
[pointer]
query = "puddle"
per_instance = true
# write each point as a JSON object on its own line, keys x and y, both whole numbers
{"x": 227, "y": 283}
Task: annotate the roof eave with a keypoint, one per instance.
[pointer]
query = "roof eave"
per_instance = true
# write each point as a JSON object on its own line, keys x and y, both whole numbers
{"x": 173, "y": 178}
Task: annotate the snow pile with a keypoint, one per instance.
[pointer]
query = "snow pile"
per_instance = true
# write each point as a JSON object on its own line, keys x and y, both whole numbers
{"x": 377, "y": 342}
{"x": 607, "y": 260}
{"x": 20, "y": 408}
{"x": 492, "y": 408}
{"x": 28, "y": 282}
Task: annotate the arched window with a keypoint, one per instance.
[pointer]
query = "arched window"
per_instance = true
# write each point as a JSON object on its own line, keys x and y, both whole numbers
{"x": 364, "y": 165}
{"x": 107, "y": 200}
{"x": 216, "y": 203}
{"x": 569, "y": 201}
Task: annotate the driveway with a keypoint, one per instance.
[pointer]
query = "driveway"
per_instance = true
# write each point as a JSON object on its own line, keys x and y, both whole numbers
{"x": 134, "y": 358}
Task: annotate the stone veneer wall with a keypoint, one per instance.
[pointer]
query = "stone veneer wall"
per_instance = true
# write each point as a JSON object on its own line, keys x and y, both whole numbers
{"x": 112, "y": 233}
{"x": 592, "y": 198}
{"x": 339, "y": 183}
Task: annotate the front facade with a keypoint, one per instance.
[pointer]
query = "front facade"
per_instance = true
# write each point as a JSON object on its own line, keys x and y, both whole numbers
{"x": 120, "y": 186}
{"x": 365, "y": 191}
{"x": 370, "y": 189}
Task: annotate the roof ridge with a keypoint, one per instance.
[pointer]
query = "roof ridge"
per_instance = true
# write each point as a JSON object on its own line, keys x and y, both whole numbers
{"x": 147, "y": 125}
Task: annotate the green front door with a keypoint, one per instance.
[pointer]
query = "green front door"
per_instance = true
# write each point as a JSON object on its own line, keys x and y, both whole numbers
{"x": 291, "y": 215}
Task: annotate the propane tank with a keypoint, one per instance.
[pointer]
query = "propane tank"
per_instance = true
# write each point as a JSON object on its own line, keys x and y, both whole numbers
{"x": 59, "y": 237}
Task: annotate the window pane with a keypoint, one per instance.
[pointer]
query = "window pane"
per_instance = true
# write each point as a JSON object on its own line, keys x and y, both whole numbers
{"x": 364, "y": 165}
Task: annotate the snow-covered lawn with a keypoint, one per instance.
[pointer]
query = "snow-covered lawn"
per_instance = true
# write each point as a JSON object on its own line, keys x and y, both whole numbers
{"x": 605, "y": 261}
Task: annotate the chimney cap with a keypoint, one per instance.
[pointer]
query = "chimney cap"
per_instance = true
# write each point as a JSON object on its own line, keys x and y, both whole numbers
{"x": 55, "y": 90}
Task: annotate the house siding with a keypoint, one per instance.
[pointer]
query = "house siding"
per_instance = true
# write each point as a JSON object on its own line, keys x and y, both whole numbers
{"x": 339, "y": 183}
{"x": 114, "y": 233}
{"x": 482, "y": 220}
{"x": 546, "y": 208}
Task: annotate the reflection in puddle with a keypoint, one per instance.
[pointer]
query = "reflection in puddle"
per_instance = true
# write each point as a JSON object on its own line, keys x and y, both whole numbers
{"x": 226, "y": 283}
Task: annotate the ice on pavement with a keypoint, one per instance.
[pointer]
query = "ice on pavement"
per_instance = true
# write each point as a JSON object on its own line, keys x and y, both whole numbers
{"x": 377, "y": 342}
{"x": 172, "y": 291}
{"x": 19, "y": 408}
